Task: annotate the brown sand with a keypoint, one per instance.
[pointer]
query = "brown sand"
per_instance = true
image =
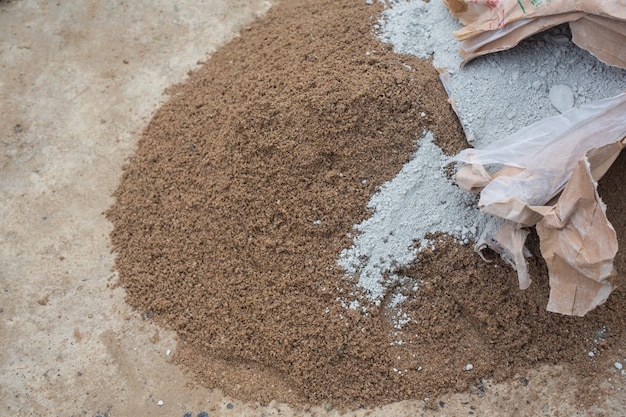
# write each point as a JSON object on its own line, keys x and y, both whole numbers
{"x": 216, "y": 236}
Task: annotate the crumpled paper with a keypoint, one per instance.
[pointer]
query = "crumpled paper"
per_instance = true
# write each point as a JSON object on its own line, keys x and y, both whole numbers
{"x": 546, "y": 176}
{"x": 496, "y": 25}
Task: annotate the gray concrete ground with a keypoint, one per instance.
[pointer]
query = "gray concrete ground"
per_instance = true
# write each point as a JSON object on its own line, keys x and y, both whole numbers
{"x": 78, "y": 82}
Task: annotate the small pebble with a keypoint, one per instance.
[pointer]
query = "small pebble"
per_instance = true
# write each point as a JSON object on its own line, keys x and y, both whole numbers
{"x": 591, "y": 354}
{"x": 469, "y": 367}
{"x": 618, "y": 365}
{"x": 168, "y": 352}
{"x": 229, "y": 406}
{"x": 160, "y": 403}
{"x": 203, "y": 414}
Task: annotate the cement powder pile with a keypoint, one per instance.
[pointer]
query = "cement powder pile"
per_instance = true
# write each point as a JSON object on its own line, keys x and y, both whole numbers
{"x": 495, "y": 96}
{"x": 500, "y": 93}
{"x": 418, "y": 200}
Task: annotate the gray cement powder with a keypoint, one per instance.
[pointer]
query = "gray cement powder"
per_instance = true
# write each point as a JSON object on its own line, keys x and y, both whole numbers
{"x": 495, "y": 95}
{"x": 500, "y": 93}
{"x": 418, "y": 200}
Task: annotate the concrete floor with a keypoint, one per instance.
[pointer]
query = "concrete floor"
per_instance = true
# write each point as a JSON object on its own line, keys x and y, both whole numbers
{"x": 78, "y": 82}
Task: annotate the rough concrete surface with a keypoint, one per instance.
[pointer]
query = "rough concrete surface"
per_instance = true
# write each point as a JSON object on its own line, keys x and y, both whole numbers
{"x": 79, "y": 81}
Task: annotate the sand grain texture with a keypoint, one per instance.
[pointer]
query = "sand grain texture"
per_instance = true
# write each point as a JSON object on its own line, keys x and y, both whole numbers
{"x": 243, "y": 191}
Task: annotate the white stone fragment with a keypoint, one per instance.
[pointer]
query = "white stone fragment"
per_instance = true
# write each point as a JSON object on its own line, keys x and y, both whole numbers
{"x": 561, "y": 97}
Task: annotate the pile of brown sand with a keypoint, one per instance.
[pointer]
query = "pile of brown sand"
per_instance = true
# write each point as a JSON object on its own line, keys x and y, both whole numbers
{"x": 231, "y": 215}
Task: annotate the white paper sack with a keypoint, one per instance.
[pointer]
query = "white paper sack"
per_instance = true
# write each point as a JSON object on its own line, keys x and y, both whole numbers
{"x": 577, "y": 241}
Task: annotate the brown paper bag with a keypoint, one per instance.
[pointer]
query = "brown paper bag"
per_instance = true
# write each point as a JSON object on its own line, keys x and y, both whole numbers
{"x": 496, "y": 25}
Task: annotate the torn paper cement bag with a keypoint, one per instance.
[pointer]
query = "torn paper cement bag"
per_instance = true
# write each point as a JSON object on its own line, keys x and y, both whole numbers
{"x": 496, "y": 25}
{"x": 547, "y": 177}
